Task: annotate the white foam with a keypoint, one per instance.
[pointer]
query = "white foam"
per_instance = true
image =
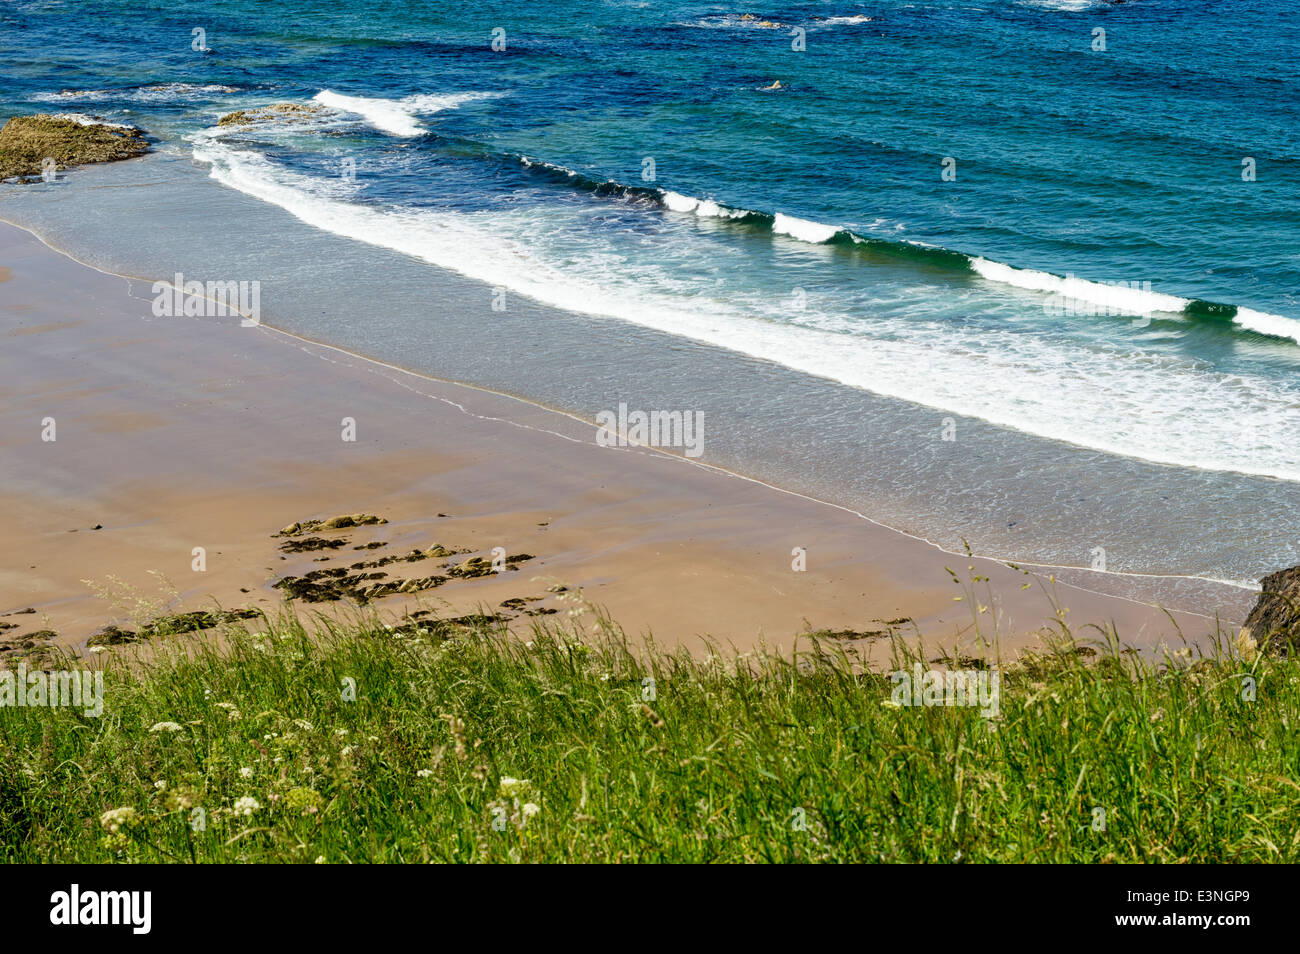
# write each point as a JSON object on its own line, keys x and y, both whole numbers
{"x": 81, "y": 119}
{"x": 157, "y": 93}
{"x": 704, "y": 208}
{"x": 1120, "y": 299}
{"x": 1261, "y": 321}
{"x": 1066, "y": 6}
{"x": 803, "y": 229}
{"x": 396, "y": 117}
{"x": 1123, "y": 299}
{"x": 680, "y": 203}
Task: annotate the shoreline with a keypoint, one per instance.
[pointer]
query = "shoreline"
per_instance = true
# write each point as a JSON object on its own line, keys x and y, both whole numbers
{"x": 702, "y": 554}
{"x": 379, "y": 363}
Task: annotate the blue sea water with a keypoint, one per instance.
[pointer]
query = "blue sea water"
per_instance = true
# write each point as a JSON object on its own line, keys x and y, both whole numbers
{"x": 1072, "y": 221}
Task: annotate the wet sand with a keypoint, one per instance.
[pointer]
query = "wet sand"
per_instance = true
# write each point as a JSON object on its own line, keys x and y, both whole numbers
{"x": 178, "y": 433}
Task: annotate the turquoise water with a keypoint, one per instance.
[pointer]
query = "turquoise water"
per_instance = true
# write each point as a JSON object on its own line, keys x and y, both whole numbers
{"x": 1098, "y": 274}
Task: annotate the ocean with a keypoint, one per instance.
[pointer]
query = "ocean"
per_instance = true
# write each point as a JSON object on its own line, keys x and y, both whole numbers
{"x": 1020, "y": 276}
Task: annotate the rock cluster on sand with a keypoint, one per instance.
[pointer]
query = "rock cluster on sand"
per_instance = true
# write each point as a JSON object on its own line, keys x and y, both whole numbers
{"x": 173, "y": 625}
{"x": 333, "y": 523}
{"x": 1274, "y": 624}
{"x": 246, "y": 117}
{"x": 26, "y": 142}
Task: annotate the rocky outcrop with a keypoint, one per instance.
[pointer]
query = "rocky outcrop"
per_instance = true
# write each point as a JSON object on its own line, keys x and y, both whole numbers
{"x": 341, "y": 522}
{"x": 263, "y": 114}
{"x": 1274, "y": 624}
{"x": 27, "y": 142}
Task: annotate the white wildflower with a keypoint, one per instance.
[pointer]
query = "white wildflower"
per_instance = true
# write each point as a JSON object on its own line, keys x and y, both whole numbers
{"x": 115, "y": 818}
{"x": 511, "y": 785}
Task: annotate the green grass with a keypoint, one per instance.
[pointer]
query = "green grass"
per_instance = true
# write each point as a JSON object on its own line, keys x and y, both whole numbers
{"x": 756, "y": 759}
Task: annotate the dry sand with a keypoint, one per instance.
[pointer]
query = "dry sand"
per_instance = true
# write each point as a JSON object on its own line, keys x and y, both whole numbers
{"x": 177, "y": 433}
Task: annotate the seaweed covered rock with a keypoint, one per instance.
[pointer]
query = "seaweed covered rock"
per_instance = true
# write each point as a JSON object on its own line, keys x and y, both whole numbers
{"x": 1274, "y": 624}
{"x": 271, "y": 113}
{"x": 341, "y": 522}
{"x": 112, "y": 635}
{"x": 26, "y": 142}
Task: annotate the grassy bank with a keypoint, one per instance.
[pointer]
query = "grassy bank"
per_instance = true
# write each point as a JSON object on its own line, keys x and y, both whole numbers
{"x": 467, "y": 745}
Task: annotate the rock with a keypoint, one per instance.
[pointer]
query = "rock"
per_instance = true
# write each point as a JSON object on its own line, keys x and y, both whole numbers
{"x": 341, "y": 522}
{"x": 167, "y": 625}
{"x": 477, "y": 566}
{"x": 190, "y": 622}
{"x": 111, "y": 635}
{"x": 271, "y": 113}
{"x": 310, "y": 544}
{"x": 327, "y": 586}
{"x": 438, "y": 550}
{"x": 352, "y": 520}
{"x": 471, "y": 568}
{"x": 1274, "y": 624}
{"x": 846, "y": 634}
{"x": 27, "y": 141}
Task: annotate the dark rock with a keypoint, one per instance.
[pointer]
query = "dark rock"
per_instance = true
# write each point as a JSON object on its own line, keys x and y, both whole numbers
{"x": 477, "y": 566}
{"x": 311, "y": 544}
{"x": 190, "y": 622}
{"x": 847, "y": 634}
{"x": 1274, "y": 623}
{"x": 112, "y": 635}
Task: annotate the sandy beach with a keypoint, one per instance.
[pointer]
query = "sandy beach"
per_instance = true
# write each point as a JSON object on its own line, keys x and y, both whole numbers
{"x": 173, "y": 434}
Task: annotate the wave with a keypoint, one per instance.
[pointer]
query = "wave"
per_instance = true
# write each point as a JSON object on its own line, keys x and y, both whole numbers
{"x": 704, "y": 208}
{"x": 802, "y": 229}
{"x": 1064, "y": 6}
{"x": 854, "y": 20}
{"x": 157, "y": 92}
{"x": 732, "y": 21}
{"x": 1063, "y": 293}
{"x": 396, "y": 117}
{"x": 748, "y": 21}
